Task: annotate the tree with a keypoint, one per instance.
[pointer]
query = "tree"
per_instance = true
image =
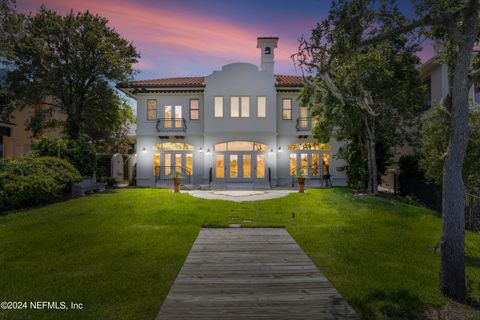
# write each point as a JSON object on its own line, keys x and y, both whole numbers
{"x": 456, "y": 24}
{"x": 69, "y": 63}
{"x": 434, "y": 143}
{"x": 368, "y": 98}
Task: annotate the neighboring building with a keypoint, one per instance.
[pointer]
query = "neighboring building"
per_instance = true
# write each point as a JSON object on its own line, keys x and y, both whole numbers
{"x": 15, "y": 139}
{"x": 238, "y": 126}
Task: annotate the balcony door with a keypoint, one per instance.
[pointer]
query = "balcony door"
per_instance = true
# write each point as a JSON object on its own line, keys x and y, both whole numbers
{"x": 173, "y": 117}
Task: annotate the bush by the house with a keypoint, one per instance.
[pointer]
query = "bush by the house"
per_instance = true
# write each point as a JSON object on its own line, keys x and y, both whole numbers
{"x": 80, "y": 153}
{"x": 33, "y": 180}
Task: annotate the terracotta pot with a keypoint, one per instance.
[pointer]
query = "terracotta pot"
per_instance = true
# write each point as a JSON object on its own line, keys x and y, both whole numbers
{"x": 176, "y": 185}
{"x": 301, "y": 185}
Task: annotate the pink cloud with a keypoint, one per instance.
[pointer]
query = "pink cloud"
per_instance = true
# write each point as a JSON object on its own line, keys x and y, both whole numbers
{"x": 174, "y": 34}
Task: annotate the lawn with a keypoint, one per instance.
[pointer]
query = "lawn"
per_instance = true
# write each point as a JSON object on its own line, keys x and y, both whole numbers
{"x": 118, "y": 253}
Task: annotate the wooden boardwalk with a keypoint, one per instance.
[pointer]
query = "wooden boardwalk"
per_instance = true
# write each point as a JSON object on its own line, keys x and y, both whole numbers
{"x": 257, "y": 273}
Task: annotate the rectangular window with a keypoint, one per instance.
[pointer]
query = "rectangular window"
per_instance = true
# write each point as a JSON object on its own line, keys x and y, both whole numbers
{"x": 293, "y": 164}
{"x": 168, "y": 164}
{"x": 260, "y": 166}
{"x": 156, "y": 164}
{"x": 194, "y": 109}
{"x": 261, "y": 107}
{"x": 234, "y": 107}
{"x": 151, "y": 110}
{"x": 315, "y": 164}
{"x": 219, "y": 166}
{"x": 233, "y": 166}
{"x": 218, "y": 107}
{"x": 189, "y": 163}
{"x": 247, "y": 161}
{"x": 167, "y": 114}
{"x": 326, "y": 163}
{"x": 245, "y": 107}
{"x": 287, "y": 109}
{"x": 178, "y": 117}
{"x": 304, "y": 163}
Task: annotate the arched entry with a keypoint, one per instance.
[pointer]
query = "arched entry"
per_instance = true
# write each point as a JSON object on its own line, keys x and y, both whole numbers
{"x": 240, "y": 161}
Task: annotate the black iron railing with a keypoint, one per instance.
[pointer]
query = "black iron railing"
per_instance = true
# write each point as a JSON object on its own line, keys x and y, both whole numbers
{"x": 171, "y": 124}
{"x": 304, "y": 124}
{"x": 168, "y": 173}
{"x": 313, "y": 173}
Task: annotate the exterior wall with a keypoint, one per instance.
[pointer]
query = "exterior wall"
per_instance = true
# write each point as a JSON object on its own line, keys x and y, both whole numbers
{"x": 237, "y": 79}
{"x": 240, "y": 79}
{"x": 20, "y": 140}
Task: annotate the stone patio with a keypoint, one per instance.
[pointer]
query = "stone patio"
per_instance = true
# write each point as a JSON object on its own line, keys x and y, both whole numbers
{"x": 239, "y": 195}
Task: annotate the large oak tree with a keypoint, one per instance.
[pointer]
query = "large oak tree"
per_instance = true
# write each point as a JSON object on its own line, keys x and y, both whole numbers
{"x": 68, "y": 63}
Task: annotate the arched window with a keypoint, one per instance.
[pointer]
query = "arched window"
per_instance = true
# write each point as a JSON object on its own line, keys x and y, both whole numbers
{"x": 308, "y": 146}
{"x": 240, "y": 146}
{"x": 268, "y": 50}
{"x": 172, "y": 146}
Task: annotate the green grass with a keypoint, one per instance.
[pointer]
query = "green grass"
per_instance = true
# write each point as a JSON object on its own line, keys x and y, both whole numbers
{"x": 118, "y": 253}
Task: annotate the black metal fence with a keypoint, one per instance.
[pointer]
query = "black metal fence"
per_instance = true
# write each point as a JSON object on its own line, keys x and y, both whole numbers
{"x": 430, "y": 194}
{"x": 168, "y": 173}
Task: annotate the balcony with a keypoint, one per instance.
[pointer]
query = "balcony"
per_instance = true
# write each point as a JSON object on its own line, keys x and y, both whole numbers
{"x": 304, "y": 124}
{"x": 171, "y": 126}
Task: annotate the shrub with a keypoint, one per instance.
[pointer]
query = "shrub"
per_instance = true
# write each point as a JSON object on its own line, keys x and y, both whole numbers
{"x": 78, "y": 152}
{"x": 34, "y": 180}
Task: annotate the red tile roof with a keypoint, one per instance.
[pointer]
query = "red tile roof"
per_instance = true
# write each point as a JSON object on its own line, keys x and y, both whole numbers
{"x": 170, "y": 82}
{"x": 282, "y": 80}
{"x": 289, "y": 81}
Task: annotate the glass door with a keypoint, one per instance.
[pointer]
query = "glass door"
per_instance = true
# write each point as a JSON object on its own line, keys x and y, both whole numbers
{"x": 178, "y": 116}
{"x": 167, "y": 114}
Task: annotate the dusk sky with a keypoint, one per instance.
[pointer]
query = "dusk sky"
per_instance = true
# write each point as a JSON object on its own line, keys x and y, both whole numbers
{"x": 190, "y": 38}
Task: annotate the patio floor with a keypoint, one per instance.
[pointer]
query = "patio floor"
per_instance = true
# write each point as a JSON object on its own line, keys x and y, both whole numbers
{"x": 251, "y": 273}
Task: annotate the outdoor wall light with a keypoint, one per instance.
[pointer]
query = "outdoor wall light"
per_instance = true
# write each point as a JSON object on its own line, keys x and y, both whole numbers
{"x": 144, "y": 149}
{"x": 280, "y": 149}
{"x": 271, "y": 152}
{"x": 201, "y": 150}
{"x": 208, "y": 152}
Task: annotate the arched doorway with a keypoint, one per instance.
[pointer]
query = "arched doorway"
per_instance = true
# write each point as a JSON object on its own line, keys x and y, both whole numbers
{"x": 240, "y": 161}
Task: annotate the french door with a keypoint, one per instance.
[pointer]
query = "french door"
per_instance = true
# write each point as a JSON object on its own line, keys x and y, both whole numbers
{"x": 240, "y": 166}
{"x": 166, "y": 163}
{"x": 312, "y": 164}
{"x": 173, "y": 116}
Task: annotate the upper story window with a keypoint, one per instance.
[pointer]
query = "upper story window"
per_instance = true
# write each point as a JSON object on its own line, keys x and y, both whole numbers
{"x": 245, "y": 107}
{"x": 261, "y": 107}
{"x": 287, "y": 109}
{"x": 234, "y": 107}
{"x": 151, "y": 109}
{"x": 218, "y": 101}
{"x": 194, "y": 109}
{"x": 239, "y": 107}
{"x": 268, "y": 50}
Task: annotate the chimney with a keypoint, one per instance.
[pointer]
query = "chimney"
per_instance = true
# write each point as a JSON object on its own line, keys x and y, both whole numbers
{"x": 267, "y": 46}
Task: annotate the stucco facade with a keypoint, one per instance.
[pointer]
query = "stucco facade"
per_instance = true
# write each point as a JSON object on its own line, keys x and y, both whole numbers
{"x": 239, "y": 126}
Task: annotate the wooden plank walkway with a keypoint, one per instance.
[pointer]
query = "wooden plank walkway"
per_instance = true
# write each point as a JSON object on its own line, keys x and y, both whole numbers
{"x": 256, "y": 273}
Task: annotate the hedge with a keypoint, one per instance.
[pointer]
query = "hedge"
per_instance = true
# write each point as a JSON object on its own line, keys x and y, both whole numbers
{"x": 33, "y": 180}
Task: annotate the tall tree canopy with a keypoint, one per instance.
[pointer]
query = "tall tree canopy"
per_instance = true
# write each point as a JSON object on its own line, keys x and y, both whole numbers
{"x": 369, "y": 97}
{"x": 456, "y": 24}
{"x": 69, "y": 63}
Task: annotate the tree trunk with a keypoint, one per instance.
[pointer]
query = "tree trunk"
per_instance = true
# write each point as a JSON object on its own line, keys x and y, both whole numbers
{"x": 452, "y": 267}
{"x": 371, "y": 158}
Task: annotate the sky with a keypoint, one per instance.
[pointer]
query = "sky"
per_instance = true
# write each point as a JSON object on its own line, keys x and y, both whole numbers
{"x": 177, "y": 38}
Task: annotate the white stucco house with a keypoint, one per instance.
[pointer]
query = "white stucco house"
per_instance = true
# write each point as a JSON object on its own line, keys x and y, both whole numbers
{"x": 239, "y": 126}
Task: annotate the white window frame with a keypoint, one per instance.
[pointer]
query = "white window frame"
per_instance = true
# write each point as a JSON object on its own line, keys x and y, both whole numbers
{"x": 259, "y": 114}
{"x": 218, "y": 107}
{"x": 235, "y": 112}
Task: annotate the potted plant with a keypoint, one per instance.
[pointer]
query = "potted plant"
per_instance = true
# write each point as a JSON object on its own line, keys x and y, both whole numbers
{"x": 301, "y": 181}
{"x": 176, "y": 181}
